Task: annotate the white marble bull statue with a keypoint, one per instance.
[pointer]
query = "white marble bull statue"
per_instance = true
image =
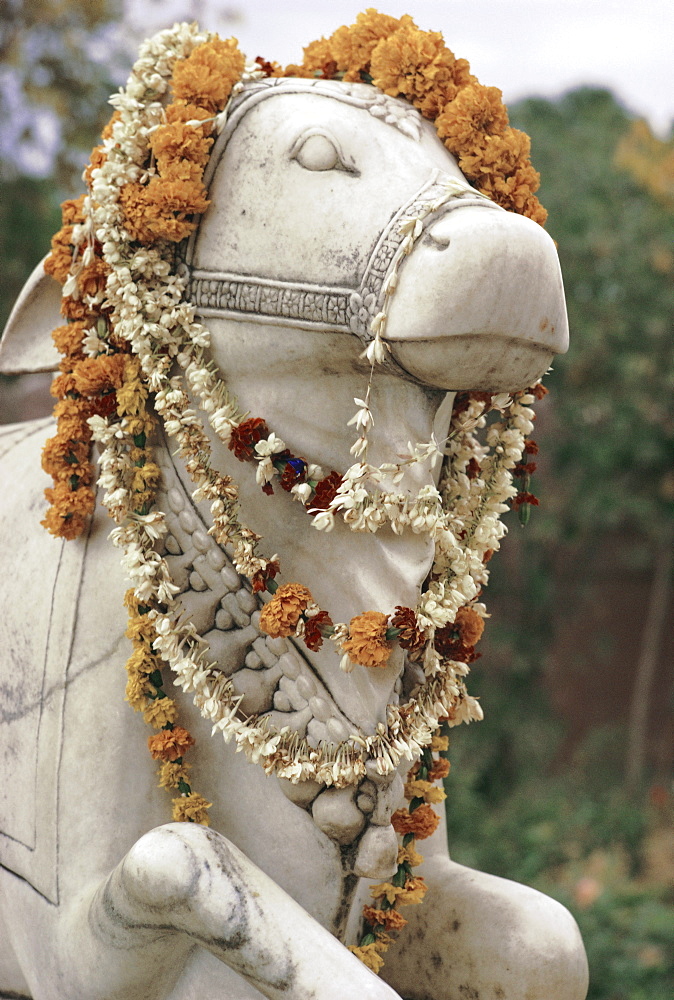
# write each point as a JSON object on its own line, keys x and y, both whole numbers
{"x": 99, "y": 899}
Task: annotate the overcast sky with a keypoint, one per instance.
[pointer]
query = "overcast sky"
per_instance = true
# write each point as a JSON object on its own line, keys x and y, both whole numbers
{"x": 525, "y": 47}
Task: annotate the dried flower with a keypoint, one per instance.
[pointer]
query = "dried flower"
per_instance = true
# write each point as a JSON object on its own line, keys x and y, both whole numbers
{"x": 326, "y": 491}
{"x": 439, "y": 769}
{"x": 313, "y": 636}
{"x": 261, "y": 579}
{"x": 192, "y": 808}
{"x": 410, "y": 855}
{"x": 171, "y": 774}
{"x": 390, "y": 920}
{"x": 160, "y": 712}
{"x": 411, "y": 637}
{"x": 470, "y": 626}
{"x": 244, "y": 438}
{"x": 415, "y": 890}
{"x": 417, "y": 788}
{"x": 386, "y": 890}
{"x": 422, "y": 822}
{"x": 369, "y": 956}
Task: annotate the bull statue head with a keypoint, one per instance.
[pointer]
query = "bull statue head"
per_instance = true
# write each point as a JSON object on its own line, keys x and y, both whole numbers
{"x": 325, "y": 197}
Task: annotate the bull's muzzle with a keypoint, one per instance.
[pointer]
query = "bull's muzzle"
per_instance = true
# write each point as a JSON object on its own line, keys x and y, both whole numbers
{"x": 480, "y": 303}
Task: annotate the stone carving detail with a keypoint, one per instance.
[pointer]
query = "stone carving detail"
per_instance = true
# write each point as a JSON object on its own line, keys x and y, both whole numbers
{"x": 271, "y": 674}
{"x": 261, "y": 299}
{"x": 342, "y": 310}
{"x": 390, "y": 110}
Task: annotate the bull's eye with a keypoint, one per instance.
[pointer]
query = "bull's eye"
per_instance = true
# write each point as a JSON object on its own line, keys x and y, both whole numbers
{"x": 315, "y": 150}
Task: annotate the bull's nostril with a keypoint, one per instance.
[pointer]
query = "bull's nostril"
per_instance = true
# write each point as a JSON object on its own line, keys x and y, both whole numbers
{"x": 436, "y": 242}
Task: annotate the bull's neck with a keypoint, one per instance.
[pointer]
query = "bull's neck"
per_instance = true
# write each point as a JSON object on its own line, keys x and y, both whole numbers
{"x": 303, "y": 384}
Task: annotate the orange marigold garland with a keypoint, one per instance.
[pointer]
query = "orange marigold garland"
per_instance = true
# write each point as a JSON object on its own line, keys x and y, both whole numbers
{"x": 404, "y": 61}
{"x": 85, "y": 386}
{"x": 163, "y": 208}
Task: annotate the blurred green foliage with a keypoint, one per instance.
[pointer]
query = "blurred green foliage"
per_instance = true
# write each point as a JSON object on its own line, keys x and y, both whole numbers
{"x": 612, "y": 447}
{"x": 522, "y": 803}
{"x": 60, "y": 60}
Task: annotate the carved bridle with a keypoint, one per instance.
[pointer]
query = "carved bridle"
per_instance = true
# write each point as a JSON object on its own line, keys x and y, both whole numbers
{"x": 338, "y": 309}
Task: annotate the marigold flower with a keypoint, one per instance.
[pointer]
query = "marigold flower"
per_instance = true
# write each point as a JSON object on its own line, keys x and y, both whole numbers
{"x": 160, "y": 712}
{"x": 470, "y": 625}
{"x": 369, "y": 956}
{"x": 351, "y": 47}
{"x": 386, "y": 890}
{"x": 414, "y": 892}
{"x": 132, "y": 394}
{"x": 59, "y": 261}
{"x": 417, "y": 788}
{"x": 74, "y": 309}
{"x": 63, "y": 454}
{"x": 142, "y": 660}
{"x": 207, "y": 75}
{"x": 143, "y": 423}
{"x": 192, "y": 808}
{"x": 279, "y": 618}
{"x": 146, "y": 476}
{"x": 97, "y": 159}
{"x": 72, "y": 210}
{"x": 63, "y": 385}
{"x": 91, "y": 279}
{"x": 316, "y": 55}
{"x": 391, "y": 920}
{"x": 411, "y": 63}
{"x": 169, "y": 744}
{"x": 97, "y": 375}
{"x": 439, "y": 769}
{"x": 243, "y": 438}
{"x": 171, "y": 774}
{"x": 137, "y": 209}
{"x": 439, "y": 743}
{"x": 410, "y": 855}
{"x": 422, "y": 822}
{"x": 366, "y": 644}
{"x": 137, "y": 689}
{"x": 68, "y": 339}
{"x": 174, "y": 200}
{"x": 177, "y": 140}
{"x": 67, "y": 516}
{"x": 476, "y": 110}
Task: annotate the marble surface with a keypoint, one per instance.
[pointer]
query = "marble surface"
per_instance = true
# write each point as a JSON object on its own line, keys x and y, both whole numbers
{"x": 102, "y": 900}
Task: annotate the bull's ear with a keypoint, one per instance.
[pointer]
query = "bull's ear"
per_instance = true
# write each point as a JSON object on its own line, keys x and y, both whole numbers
{"x": 26, "y": 344}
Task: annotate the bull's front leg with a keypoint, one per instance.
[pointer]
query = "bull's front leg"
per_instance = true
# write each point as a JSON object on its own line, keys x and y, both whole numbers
{"x": 480, "y": 936}
{"x": 182, "y": 886}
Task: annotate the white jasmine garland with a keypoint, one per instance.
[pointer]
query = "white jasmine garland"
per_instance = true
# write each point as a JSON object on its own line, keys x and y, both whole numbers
{"x": 148, "y": 310}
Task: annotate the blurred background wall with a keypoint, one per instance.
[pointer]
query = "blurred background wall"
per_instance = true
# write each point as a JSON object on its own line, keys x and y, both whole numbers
{"x": 567, "y": 784}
